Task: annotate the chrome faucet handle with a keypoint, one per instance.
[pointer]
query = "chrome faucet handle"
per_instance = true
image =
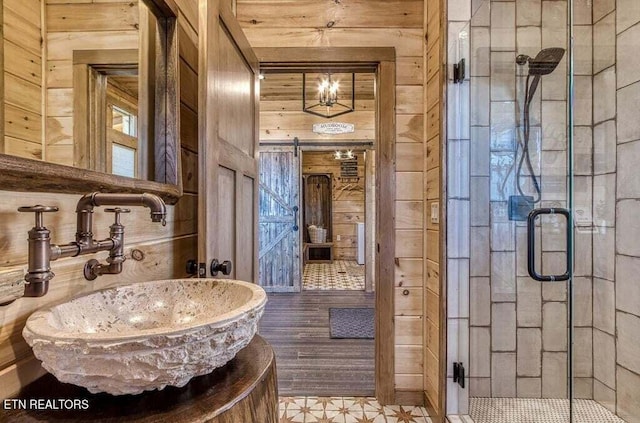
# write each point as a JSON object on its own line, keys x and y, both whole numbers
{"x": 117, "y": 211}
{"x": 38, "y": 210}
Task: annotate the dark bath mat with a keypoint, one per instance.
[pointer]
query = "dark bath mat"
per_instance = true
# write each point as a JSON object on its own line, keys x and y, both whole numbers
{"x": 352, "y": 323}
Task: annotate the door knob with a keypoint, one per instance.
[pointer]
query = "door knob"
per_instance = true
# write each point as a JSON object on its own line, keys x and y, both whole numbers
{"x": 192, "y": 267}
{"x": 225, "y": 267}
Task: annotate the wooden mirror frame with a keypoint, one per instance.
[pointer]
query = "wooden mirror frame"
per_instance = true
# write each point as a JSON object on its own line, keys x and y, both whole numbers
{"x": 22, "y": 174}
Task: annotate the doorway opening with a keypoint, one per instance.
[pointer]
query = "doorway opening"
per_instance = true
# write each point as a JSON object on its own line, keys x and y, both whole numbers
{"x": 317, "y": 200}
{"x": 316, "y": 196}
{"x": 338, "y": 215}
{"x": 316, "y": 223}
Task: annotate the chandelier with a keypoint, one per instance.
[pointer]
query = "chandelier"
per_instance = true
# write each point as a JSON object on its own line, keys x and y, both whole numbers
{"x": 327, "y": 102}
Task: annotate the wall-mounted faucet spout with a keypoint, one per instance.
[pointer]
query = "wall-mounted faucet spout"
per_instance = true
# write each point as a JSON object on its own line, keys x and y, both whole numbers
{"x": 86, "y": 204}
{"x": 42, "y": 252}
{"x": 96, "y": 199}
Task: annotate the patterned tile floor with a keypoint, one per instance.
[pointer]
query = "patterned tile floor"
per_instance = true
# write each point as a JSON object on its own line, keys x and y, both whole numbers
{"x": 340, "y": 275}
{"x": 524, "y": 410}
{"x": 346, "y": 410}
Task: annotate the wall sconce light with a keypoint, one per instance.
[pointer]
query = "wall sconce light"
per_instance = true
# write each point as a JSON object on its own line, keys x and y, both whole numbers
{"x": 328, "y": 97}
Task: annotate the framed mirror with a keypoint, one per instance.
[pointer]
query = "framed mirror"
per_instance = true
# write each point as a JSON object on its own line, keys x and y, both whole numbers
{"x": 90, "y": 97}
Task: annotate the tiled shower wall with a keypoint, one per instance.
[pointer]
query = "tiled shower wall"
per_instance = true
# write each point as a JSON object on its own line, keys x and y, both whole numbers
{"x": 616, "y": 192}
{"x": 510, "y": 329}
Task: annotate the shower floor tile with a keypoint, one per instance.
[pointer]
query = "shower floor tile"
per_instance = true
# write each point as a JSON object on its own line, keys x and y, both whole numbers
{"x": 521, "y": 410}
{"x": 339, "y": 275}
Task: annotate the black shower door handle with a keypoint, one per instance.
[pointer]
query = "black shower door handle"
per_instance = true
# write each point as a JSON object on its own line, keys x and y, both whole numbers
{"x": 531, "y": 245}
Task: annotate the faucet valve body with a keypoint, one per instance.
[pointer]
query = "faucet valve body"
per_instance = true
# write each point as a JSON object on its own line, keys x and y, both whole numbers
{"x": 93, "y": 268}
{"x": 116, "y": 233}
{"x": 39, "y": 273}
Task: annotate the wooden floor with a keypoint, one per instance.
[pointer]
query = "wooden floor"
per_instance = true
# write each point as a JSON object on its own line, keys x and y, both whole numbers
{"x": 308, "y": 362}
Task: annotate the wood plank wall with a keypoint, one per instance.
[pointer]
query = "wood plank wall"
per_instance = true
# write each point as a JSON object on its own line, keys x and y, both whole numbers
{"x": 433, "y": 333}
{"x": 73, "y": 25}
{"x": 166, "y": 249}
{"x": 374, "y": 23}
{"x": 347, "y": 201}
{"x": 23, "y": 105}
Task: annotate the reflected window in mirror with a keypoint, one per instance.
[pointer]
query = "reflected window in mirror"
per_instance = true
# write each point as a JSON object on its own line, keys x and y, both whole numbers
{"x": 106, "y": 90}
{"x": 122, "y": 130}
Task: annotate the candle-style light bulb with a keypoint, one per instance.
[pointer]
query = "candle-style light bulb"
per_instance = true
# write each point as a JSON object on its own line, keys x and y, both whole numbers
{"x": 322, "y": 91}
{"x": 333, "y": 91}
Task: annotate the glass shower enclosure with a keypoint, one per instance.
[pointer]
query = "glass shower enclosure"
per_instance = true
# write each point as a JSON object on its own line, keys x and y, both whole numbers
{"x": 543, "y": 199}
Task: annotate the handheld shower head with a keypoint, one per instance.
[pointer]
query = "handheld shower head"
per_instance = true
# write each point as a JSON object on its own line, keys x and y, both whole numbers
{"x": 546, "y": 61}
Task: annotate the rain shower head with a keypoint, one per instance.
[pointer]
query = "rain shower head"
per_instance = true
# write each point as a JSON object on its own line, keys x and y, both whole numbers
{"x": 546, "y": 61}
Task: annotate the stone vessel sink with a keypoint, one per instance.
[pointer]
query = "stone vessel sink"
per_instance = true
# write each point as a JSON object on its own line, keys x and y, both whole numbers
{"x": 144, "y": 336}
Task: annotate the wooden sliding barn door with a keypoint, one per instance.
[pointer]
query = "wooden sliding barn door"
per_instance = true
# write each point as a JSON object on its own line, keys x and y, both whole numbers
{"x": 279, "y": 222}
{"x": 228, "y": 143}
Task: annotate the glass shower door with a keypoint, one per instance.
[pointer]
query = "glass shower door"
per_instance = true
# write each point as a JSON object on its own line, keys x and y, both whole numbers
{"x": 508, "y": 144}
{"x": 543, "y": 199}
